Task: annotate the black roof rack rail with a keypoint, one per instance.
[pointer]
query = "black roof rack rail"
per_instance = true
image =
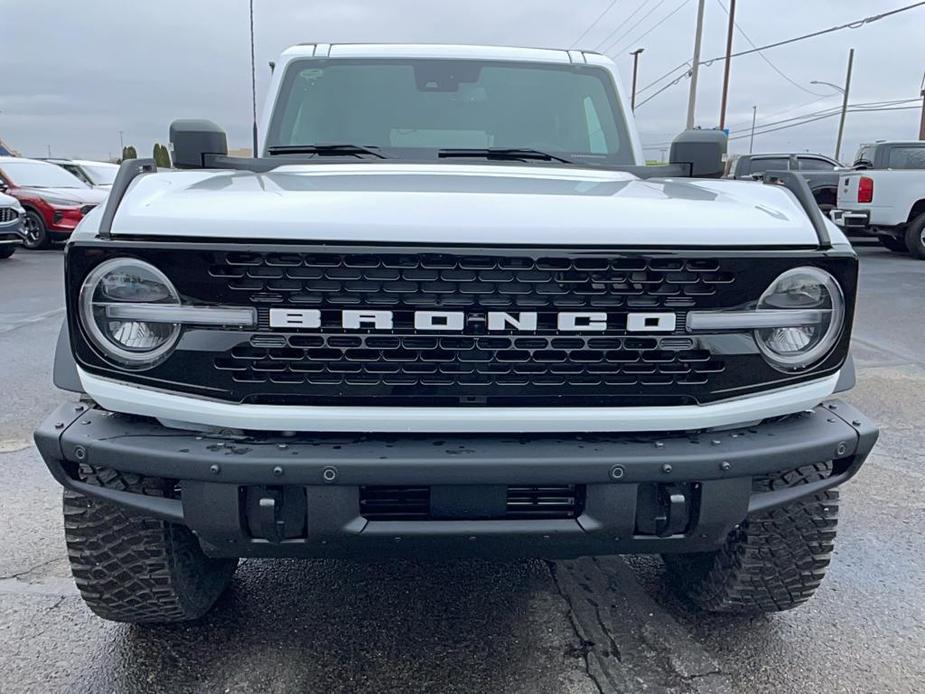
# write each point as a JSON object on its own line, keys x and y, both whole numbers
{"x": 797, "y": 185}
{"x": 128, "y": 171}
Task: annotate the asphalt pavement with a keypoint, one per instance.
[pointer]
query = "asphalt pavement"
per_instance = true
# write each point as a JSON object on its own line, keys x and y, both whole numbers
{"x": 586, "y": 626}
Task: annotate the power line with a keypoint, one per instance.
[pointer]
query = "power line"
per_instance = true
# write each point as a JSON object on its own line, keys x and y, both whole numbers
{"x": 673, "y": 70}
{"x": 869, "y": 106}
{"x": 766, "y": 59}
{"x": 594, "y": 23}
{"x": 823, "y": 117}
{"x": 629, "y": 31}
{"x": 621, "y": 24}
{"x": 850, "y": 25}
{"x": 740, "y": 124}
{"x": 655, "y": 26}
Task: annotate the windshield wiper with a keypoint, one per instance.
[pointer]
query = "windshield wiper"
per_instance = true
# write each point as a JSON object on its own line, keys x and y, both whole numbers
{"x": 502, "y": 154}
{"x": 327, "y": 150}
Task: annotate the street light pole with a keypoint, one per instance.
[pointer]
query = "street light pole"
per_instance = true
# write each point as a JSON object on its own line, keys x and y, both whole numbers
{"x": 751, "y": 141}
{"x": 732, "y": 23}
{"x": 922, "y": 123}
{"x": 844, "y": 105}
{"x": 635, "y": 55}
{"x": 695, "y": 67}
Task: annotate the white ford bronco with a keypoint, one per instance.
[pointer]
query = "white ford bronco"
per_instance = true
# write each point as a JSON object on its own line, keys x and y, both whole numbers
{"x": 447, "y": 311}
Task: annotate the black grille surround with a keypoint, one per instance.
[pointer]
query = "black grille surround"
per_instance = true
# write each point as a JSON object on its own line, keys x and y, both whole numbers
{"x": 475, "y": 367}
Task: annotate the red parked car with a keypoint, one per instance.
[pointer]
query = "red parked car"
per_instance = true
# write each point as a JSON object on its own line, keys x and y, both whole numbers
{"x": 55, "y": 200}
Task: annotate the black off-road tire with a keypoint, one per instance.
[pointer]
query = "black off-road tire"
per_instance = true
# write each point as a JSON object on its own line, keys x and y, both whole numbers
{"x": 774, "y": 561}
{"x": 6, "y": 251}
{"x": 894, "y": 244}
{"x": 915, "y": 237}
{"x": 134, "y": 569}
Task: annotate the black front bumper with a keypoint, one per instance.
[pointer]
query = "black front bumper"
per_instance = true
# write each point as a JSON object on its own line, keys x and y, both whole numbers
{"x": 238, "y": 493}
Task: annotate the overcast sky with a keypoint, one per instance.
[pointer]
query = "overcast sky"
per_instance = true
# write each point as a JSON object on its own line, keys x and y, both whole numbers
{"x": 73, "y": 74}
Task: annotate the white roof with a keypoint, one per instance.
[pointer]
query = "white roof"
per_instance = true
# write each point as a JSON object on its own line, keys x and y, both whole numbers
{"x": 430, "y": 50}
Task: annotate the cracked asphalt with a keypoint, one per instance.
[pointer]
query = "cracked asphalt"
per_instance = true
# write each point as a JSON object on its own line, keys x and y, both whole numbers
{"x": 593, "y": 625}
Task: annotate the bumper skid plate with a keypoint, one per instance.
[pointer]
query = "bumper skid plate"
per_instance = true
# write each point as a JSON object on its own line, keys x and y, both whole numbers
{"x": 301, "y": 495}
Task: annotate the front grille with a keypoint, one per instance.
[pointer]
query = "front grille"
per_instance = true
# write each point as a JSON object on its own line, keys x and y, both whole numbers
{"x": 8, "y": 214}
{"x": 522, "y": 503}
{"x": 443, "y": 281}
{"x": 470, "y": 362}
{"x": 471, "y": 365}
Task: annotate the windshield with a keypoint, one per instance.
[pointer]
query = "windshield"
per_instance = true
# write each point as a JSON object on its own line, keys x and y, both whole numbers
{"x": 100, "y": 174}
{"x": 38, "y": 174}
{"x": 413, "y": 108}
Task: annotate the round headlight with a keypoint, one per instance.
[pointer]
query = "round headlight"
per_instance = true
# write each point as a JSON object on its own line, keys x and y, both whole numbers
{"x": 817, "y": 295}
{"x": 134, "y": 343}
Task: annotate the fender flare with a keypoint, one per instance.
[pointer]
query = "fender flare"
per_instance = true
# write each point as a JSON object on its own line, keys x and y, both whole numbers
{"x": 65, "y": 374}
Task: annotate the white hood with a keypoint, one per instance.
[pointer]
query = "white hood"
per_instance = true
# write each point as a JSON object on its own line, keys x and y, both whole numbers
{"x": 459, "y": 203}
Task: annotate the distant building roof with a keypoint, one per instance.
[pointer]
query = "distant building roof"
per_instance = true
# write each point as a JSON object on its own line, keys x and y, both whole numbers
{"x": 5, "y": 151}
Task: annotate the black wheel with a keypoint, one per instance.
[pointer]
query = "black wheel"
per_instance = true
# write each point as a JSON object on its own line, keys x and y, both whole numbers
{"x": 894, "y": 244}
{"x": 774, "y": 561}
{"x": 6, "y": 251}
{"x": 36, "y": 233}
{"x": 129, "y": 568}
{"x": 915, "y": 237}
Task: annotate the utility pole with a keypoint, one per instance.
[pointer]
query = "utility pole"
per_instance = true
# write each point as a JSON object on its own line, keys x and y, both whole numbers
{"x": 121, "y": 142}
{"x": 695, "y": 66}
{"x": 922, "y": 123}
{"x": 751, "y": 141}
{"x": 253, "y": 81}
{"x": 635, "y": 55}
{"x": 844, "y": 105}
{"x": 732, "y": 23}
{"x": 49, "y": 151}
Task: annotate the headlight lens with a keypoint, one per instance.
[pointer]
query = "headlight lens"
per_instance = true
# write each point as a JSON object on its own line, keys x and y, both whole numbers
{"x": 129, "y": 342}
{"x": 803, "y": 288}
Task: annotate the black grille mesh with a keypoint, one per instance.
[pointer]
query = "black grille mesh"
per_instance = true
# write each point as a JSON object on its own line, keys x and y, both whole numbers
{"x": 7, "y": 214}
{"x": 403, "y": 283}
{"x": 423, "y": 281}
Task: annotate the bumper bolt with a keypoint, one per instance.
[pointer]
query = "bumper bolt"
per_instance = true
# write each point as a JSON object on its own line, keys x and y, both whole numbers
{"x": 856, "y": 422}
{"x": 329, "y": 474}
{"x": 617, "y": 472}
{"x": 215, "y": 469}
{"x": 282, "y": 446}
{"x": 277, "y": 471}
{"x": 59, "y": 425}
{"x": 715, "y": 442}
{"x": 666, "y": 468}
{"x": 659, "y": 444}
{"x": 725, "y": 466}
{"x": 841, "y": 449}
{"x": 80, "y": 453}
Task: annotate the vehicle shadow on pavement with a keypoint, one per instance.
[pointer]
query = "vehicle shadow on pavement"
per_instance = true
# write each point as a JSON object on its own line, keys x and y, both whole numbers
{"x": 347, "y": 626}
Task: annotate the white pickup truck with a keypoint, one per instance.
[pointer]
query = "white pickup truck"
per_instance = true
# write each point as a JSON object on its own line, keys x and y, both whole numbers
{"x": 447, "y": 310}
{"x": 885, "y": 195}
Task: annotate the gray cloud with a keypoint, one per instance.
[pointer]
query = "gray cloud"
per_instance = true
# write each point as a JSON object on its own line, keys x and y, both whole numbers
{"x": 73, "y": 74}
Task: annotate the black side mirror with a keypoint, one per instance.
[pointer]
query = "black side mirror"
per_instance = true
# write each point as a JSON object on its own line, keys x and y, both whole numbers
{"x": 193, "y": 139}
{"x": 702, "y": 151}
